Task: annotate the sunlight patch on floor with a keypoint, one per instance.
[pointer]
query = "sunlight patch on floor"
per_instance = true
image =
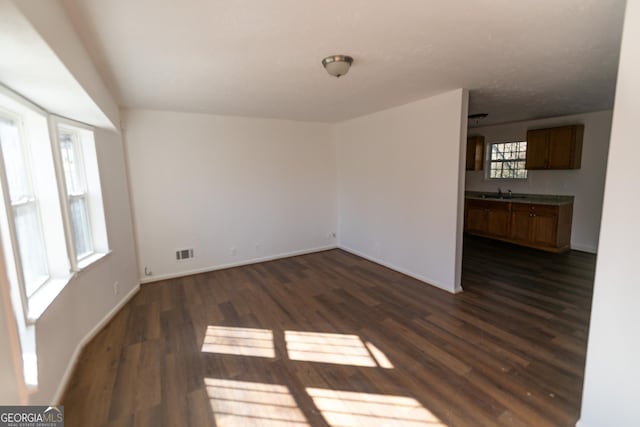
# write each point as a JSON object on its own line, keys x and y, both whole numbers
{"x": 352, "y": 409}
{"x": 243, "y": 403}
{"x": 239, "y": 341}
{"x": 328, "y": 348}
{"x": 380, "y": 357}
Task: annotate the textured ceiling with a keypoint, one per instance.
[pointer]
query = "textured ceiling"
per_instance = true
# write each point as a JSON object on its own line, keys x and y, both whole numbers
{"x": 519, "y": 59}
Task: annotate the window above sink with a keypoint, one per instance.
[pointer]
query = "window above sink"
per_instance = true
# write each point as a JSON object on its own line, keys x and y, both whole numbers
{"x": 507, "y": 160}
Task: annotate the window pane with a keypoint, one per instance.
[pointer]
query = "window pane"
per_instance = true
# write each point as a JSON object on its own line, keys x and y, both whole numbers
{"x": 16, "y": 172}
{"x": 71, "y": 163}
{"x": 80, "y": 226}
{"x": 508, "y": 160}
{"x": 30, "y": 245}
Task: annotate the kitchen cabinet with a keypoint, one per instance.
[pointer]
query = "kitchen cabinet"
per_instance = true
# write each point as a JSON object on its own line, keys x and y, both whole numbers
{"x": 541, "y": 226}
{"x": 538, "y": 225}
{"x": 555, "y": 148}
{"x": 475, "y": 153}
{"x": 475, "y": 217}
{"x": 487, "y": 217}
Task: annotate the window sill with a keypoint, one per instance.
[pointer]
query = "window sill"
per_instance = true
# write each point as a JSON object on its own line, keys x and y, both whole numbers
{"x": 91, "y": 260}
{"x": 43, "y": 297}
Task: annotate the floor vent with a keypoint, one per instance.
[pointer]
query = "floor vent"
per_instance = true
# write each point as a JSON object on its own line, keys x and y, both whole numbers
{"x": 184, "y": 254}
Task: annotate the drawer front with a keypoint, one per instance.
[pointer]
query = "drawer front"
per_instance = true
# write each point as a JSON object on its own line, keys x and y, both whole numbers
{"x": 532, "y": 208}
{"x": 487, "y": 204}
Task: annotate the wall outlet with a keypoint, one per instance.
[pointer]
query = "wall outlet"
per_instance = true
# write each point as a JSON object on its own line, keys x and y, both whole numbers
{"x": 147, "y": 272}
{"x": 332, "y": 235}
{"x": 233, "y": 251}
{"x": 116, "y": 287}
{"x": 257, "y": 247}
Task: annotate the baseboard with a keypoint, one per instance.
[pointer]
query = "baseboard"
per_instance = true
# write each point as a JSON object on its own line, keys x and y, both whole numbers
{"x": 90, "y": 335}
{"x": 235, "y": 264}
{"x": 424, "y": 279}
{"x": 584, "y": 248}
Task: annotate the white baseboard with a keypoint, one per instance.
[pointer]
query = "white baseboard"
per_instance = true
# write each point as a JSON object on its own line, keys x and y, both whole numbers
{"x": 424, "y": 279}
{"x": 90, "y": 335}
{"x": 235, "y": 264}
{"x": 584, "y": 248}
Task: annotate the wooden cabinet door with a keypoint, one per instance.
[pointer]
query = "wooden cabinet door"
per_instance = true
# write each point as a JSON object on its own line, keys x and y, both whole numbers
{"x": 537, "y": 149}
{"x": 498, "y": 221}
{"x": 561, "y": 144}
{"x": 475, "y": 153}
{"x": 471, "y": 154}
{"x": 476, "y": 220}
{"x": 544, "y": 229}
{"x": 565, "y": 147}
{"x": 544, "y": 225}
{"x": 520, "y": 223}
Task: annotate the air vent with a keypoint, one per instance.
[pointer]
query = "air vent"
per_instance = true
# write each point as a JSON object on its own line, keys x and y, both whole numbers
{"x": 183, "y": 254}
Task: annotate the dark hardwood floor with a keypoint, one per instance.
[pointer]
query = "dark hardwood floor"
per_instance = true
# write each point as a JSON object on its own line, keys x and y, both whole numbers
{"x": 332, "y": 339}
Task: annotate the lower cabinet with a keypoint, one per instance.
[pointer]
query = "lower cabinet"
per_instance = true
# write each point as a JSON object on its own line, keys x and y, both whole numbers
{"x": 539, "y": 225}
{"x": 487, "y": 218}
{"x": 546, "y": 227}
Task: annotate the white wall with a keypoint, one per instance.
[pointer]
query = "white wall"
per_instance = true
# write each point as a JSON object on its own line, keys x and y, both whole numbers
{"x": 399, "y": 187}
{"x": 214, "y": 183}
{"x": 612, "y": 376}
{"x": 88, "y": 298}
{"x": 46, "y": 62}
{"x": 586, "y": 183}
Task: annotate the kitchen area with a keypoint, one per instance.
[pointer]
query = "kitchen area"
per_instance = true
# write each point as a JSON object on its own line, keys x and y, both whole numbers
{"x": 538, "y": 183}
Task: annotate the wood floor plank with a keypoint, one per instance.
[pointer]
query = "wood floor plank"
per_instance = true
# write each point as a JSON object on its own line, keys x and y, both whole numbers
{"x": 333, "y": 339}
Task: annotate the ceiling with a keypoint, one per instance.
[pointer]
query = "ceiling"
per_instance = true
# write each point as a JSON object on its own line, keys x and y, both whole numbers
{"x": 519, "y": 59}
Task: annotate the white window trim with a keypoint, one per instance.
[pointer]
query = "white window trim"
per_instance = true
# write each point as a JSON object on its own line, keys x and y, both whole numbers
{"x": 56, "y": 122}
{"x": 9, "y": 208}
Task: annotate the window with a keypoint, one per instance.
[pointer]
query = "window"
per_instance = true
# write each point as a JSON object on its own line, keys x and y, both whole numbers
{"x": 26, "y": 227}
{"x": 507, "y": 160}
{"x": 75, "y": 182}
{"x": 51, "y": 211}
{"x": 80, "y": 182}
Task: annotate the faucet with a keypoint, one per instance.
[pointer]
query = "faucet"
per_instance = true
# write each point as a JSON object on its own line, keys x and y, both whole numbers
{"x": 500, "y": 192}
{"x": 509, "y": 194}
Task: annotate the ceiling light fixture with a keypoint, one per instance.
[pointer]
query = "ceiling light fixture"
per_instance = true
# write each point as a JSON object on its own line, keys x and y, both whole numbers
{"x": 337, "y": 65}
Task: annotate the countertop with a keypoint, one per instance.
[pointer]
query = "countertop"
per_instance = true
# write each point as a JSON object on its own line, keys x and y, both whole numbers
{"x": 540, "y": 199}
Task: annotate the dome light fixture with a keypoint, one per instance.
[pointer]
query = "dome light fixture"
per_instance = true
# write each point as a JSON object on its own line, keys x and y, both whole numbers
{"x": 337, "y": 65}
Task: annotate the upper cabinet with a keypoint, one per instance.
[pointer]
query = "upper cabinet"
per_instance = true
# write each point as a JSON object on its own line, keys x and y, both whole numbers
{"x": 475, "y": 153}
{"x": 554, "y": 148}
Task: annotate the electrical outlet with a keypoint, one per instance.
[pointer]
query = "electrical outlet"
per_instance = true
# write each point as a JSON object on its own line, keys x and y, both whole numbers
{"x": 257, "y": 247}
{"x": 116, "y": 288}
{"x": 332, "y": 235}
{"x": 233, "y": 251}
